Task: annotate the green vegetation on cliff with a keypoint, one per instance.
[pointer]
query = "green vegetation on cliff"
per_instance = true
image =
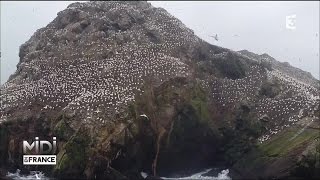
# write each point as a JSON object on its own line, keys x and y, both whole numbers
{"x": 286, "y": 149}
{"x": 285, "y": 142}
{"x": 73, "y": 156}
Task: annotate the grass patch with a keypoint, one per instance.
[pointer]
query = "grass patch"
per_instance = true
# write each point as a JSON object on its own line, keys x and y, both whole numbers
{"x": 284, "y": 142}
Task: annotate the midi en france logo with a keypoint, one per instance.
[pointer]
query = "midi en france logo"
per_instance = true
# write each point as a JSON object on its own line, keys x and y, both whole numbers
{"x": 40, "y": 152}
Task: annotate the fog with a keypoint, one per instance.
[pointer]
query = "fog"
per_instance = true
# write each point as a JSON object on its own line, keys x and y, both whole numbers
{"x": 259, "y": 27}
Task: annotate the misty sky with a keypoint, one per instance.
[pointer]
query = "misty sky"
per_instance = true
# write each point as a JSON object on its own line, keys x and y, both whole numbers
{"x": 259, "y": 27}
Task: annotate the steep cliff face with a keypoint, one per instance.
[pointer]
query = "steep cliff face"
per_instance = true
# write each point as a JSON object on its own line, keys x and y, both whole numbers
{"x": 126, "y": 87}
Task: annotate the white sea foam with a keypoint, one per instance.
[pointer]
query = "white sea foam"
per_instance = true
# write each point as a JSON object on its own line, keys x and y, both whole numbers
{"x": 223, "y": 175}
{"x": 33, "y": 175}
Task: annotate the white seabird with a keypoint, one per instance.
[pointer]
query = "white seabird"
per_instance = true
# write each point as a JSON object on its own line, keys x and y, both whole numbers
{"x": 144, "y": 115}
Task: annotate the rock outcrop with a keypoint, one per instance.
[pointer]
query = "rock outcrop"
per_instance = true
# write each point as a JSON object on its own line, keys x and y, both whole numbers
{"x": 126, "y": 87}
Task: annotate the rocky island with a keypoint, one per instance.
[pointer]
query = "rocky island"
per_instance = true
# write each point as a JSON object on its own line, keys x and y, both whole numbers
{"x": 127, "y": 88}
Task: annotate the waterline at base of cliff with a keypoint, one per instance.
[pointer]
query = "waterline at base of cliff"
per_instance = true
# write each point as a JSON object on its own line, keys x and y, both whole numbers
{"x": 205, "y": 174}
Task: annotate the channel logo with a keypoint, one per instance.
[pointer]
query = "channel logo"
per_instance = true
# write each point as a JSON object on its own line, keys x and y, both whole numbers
{"x": 43, "y": 152}
{"x": 291, "y": 22}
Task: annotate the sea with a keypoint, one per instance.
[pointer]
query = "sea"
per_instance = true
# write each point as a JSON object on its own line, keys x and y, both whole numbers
{"x": 223, "y": 175}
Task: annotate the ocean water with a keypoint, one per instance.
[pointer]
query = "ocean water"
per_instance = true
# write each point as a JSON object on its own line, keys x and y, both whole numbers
{"x": 223, "y": 175}
{"x": 33, "y": 175}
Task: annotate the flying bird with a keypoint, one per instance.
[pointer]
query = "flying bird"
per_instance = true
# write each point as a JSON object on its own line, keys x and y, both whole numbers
{"x": 215, "y": 37}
